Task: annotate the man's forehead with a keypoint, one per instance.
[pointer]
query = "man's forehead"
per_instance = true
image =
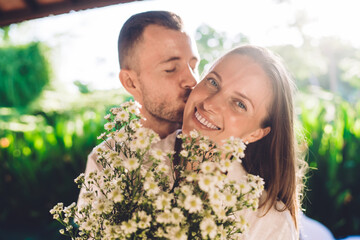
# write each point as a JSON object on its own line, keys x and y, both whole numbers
{"x": 166, "y": 45}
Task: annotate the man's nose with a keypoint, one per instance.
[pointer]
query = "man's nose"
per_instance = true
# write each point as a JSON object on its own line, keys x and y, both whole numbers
{"x": 189, "y": 78}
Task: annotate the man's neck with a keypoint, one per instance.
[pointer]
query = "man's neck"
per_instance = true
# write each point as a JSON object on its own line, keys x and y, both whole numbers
{"x": 163, "y": 128}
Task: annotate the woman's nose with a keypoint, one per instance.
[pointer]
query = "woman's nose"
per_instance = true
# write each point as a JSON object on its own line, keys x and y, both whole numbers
{"x": 213, "y": 103}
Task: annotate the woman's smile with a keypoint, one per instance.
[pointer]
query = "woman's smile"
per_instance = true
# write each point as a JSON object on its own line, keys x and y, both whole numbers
{"x": 203, "y": 121}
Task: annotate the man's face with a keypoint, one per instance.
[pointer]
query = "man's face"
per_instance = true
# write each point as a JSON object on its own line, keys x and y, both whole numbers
{"x": 166, "y": 64}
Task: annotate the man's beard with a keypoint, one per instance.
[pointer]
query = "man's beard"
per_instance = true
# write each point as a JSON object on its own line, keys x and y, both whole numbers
{"x": 163, "y": 112}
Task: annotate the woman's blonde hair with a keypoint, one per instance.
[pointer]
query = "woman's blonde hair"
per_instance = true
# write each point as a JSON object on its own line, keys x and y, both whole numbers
{"x": 275, "y": 157}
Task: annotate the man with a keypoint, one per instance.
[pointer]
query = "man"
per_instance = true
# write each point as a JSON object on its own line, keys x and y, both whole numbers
{"x": 158, "y": 66}
{"x": 158, "y": 63}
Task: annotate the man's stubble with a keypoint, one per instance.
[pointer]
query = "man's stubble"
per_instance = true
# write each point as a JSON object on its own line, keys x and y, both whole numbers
{"x": 164, "y": 110}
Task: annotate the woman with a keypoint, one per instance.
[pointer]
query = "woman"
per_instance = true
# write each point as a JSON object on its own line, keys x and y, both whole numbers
{"x": 248, "y": 94}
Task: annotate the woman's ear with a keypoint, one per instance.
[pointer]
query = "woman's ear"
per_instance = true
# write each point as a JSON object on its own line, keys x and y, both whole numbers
{"x": 257, "y": 134}
{"x": 130, "y": 82}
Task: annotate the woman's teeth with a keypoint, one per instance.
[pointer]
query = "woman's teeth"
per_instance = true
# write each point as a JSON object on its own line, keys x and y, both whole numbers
{"x": 204, "y": 122}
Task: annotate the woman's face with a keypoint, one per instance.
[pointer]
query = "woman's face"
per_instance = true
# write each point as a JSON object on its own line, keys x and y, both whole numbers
{"x": 232, "y": 100}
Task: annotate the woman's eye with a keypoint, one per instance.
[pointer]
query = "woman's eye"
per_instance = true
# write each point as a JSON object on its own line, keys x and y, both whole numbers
{"x": 170, "y": 70}
{"x": 213, "y": 82}
{"x": 241, "y": 105}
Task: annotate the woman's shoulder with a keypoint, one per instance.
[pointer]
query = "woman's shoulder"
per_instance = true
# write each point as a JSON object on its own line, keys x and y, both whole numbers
{"x": 267, "y": 222}
{"x": 274, "y": 223}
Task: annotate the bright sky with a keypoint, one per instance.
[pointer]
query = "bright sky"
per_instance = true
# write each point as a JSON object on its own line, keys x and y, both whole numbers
{"x": 85, "y": 43}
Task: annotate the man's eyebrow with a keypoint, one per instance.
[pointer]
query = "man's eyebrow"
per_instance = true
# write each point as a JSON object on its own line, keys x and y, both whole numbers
{"x": 170, "y": 60}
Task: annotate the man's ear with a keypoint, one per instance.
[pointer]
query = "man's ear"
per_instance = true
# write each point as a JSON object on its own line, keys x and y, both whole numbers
{"x": 130, "y": 82}
{"x": 257, "y": 134}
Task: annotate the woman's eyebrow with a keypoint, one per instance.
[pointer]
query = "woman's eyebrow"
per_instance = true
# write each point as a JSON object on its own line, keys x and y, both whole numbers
{"x": 217, "y": 75}
{"x": 244, "y": 97}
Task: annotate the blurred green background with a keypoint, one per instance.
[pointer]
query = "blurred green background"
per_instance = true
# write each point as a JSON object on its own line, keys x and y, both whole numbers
{"x": 46, "y": 132}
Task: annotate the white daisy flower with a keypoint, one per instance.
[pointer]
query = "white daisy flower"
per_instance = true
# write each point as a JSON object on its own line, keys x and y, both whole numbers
{"x": 120, "y": 135}
{"x": 193, "y": 203}
{"x": 163, "y": 168}
{"x": 244, "y": 188}
{"x": 163, "y": 201}
{"x": 160, "y": 233}
{"x": 117, "y": 162}
{"x": 208, "y": 228}
{"x": 227, "y": 148}
{"x": 135, "y": 124}
{"x": 177, "y": 216}
{"x": 99, "y": 149}
{"x": 141, "y": 133}
{"x": 215, "y": 197}
{"x": 151, "y": 187}
{"x": 107, "y": 172}
{"x": 102, "y": 205}
{"x": 129, "y": 226}
{"x": 133, "y": 145}
{"x": 176, "y": 233}
{"x": 142, "y": 143}
{"x": 87, "y": 225}
{"x": 225, "y": 165}
{"x": 192, "y": 176}
{"x": 219, "y": 211}
{"x": 116, "y": 195}
{"x": 126, "y": 104}
{"x": 144, "y": 220}
{"x": 206, "y": 182}
{"x": 88, "y": 196}
{"x": 115, "y": 111}
{"x": 80, "y": 178}
{"x": 131, "y": 163}
{"x": 122, "y": 116}
{"x": 164, "y": 217}
{"x": 207, "y": 167}
{"x": 239, "y": 151}
{"x": 111, "y": 231}
{"x": 229, "y": 199}
{"x": 109, "y": 126}
{"x": 186, "y": 190}
{"x": 158, "y": 154}
{"x": 203, "y": 146}
{"x": 134, "y": 108}
{"x": 222, "y": 232}
{"x": 101, "y": 136}
{"x": 194, "y": 134}
{"x": 148, "y": 175}
{"x": 242, "y": 224}
{"x": 184, "y": 153}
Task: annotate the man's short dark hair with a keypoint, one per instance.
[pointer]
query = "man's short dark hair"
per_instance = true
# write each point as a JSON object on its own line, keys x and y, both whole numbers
{"x": 133, "y": 28}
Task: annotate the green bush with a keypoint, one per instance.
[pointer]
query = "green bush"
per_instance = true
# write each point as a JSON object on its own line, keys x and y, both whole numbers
{"x": 333, "y": 130}
{"x": 43, "y": 151}
{"x": 24, "y": 71}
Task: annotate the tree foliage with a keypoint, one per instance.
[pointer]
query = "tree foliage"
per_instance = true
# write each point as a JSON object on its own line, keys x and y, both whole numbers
{"x": 24, "y": 72}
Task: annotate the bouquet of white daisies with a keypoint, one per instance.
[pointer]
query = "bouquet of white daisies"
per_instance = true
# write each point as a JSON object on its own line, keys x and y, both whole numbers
{"x": 139, "y": 194}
